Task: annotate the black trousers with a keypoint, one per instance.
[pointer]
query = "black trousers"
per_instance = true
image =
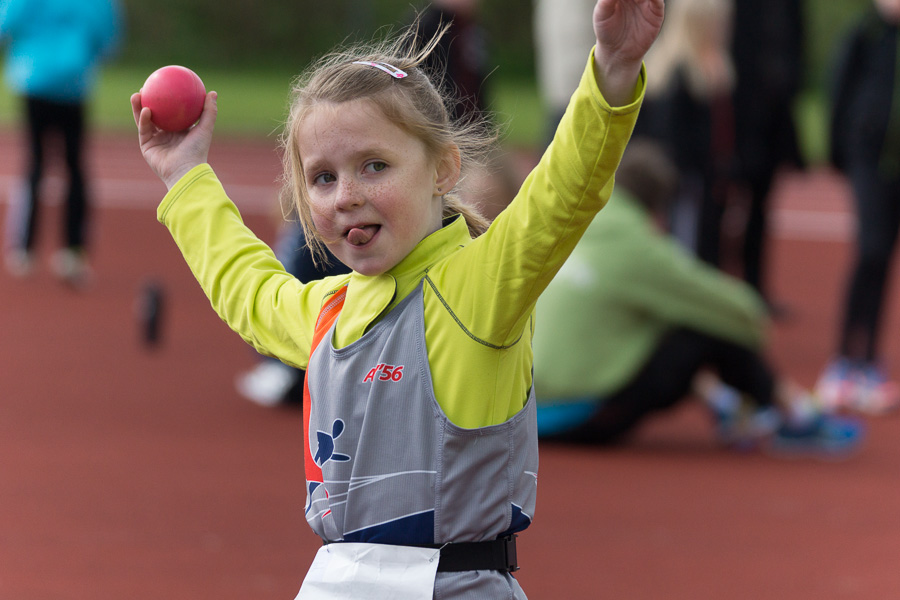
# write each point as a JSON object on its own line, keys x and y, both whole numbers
{"x": 771, "y": 143}
{"x": 878, "y": 220}
{"x": 711, "y": 212}
{"x": 47, "y": 119}
{"x": 753, "y": 256}
{"x": 666, "y": 379}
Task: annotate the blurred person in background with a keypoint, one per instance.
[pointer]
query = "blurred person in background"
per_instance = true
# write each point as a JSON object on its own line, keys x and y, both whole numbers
{"x": 633, "y": 325}
{"x": 460, "y": 61}
{"x": 461, "y": 64}
{"x": 865, "y": 146}
{"x": 767, "y": 49}
{"x": 53, "y": 51}
{"x": 689, "y": 109}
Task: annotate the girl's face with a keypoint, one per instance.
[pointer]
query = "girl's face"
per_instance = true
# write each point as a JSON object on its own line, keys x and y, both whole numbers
{"x": 373, "y": 188}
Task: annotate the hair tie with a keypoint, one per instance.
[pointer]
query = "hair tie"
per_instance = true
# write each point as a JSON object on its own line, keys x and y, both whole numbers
{"x": 389, "y": 69}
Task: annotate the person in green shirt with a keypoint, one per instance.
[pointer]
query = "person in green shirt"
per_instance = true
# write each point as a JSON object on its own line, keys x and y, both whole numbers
{"x": 632, "y": 325}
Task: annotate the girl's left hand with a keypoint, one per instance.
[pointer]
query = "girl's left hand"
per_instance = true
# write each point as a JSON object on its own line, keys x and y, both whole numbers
{"x": 625, "y": 30}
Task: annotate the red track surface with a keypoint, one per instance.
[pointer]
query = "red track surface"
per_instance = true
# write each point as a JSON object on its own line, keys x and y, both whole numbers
{"x": 134, "y": 473}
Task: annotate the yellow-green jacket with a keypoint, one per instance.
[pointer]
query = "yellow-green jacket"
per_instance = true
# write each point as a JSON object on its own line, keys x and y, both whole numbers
{"x": 479, "y": 294}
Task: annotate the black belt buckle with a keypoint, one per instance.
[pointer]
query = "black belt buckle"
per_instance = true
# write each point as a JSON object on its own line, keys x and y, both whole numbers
{"x": 490, "y": 555}
{"x": 511, "y": 560}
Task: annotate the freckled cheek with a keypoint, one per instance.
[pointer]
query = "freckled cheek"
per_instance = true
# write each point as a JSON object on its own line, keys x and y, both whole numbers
{"x": 379, "y": 194}
{"x": 401, "y": 199}
{"x": 322, "y": 218}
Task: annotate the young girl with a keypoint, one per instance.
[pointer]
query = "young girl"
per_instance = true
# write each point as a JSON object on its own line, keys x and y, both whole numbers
{"x": 421, "y": 444}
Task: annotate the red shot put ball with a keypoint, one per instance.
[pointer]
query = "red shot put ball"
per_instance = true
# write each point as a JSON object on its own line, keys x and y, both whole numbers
{"x": 175, "y": 97}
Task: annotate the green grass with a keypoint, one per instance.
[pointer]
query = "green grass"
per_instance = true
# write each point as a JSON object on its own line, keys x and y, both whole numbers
{"x": 250, "y": 103}
{"x": 811, "y": 115}
{"x": 254, "y": 103}
{"x": 519, "y": 112}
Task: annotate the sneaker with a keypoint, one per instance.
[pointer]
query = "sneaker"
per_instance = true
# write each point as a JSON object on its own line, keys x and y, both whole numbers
{"x": 836, "y": 385}
{"x": 748, "y": 428}
{"x": 19, "y": 262}
{"x": 828, "y": 436}
{"x": 873, "y": 393}
{"x": 70, "y": 266}
{"x": 801, "y": 407}
{"x": 267, "y": 384}
{"x": 740, "y": 424}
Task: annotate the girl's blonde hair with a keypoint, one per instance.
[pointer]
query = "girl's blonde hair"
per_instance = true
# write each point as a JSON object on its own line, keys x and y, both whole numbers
{"x": 692, "y": 29}
{"x": 414, "y": 103}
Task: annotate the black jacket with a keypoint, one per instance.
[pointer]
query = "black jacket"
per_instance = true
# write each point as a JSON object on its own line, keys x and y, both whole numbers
{"x": 861, "y": 95}
{"x": 767, "y": 48}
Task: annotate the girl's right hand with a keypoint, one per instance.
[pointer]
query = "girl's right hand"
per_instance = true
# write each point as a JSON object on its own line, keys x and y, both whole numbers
{"x": 172, "y": 154}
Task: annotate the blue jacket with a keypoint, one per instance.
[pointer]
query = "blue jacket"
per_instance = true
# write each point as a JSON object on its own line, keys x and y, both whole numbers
{"x": 55, "y": 46}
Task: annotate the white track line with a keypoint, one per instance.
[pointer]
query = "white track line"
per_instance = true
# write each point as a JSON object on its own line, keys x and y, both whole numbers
{"x": 145, "y": 194}
{"x": 810, "y": 225}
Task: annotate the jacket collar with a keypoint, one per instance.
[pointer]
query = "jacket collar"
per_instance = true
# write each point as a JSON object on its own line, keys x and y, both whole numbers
{"x": 369, "y": 296}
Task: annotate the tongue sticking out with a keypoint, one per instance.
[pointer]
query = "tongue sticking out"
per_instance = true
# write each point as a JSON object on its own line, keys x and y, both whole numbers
{"x": 361, "y": 235}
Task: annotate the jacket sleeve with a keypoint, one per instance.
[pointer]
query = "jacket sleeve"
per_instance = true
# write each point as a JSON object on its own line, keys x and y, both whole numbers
{"x": 665, "y": 281}
{"x": 244, "y": 281}
{"x": 494, "y": 282}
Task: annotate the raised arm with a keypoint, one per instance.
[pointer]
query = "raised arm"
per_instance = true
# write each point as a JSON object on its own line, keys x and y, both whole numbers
{"x": 625, "y": 30}
{"x": 507, "y": 268}
{"x": 246, "y": 284}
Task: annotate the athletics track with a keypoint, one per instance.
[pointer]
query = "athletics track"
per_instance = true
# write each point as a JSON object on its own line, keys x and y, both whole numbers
{"x": 140, "y": 474}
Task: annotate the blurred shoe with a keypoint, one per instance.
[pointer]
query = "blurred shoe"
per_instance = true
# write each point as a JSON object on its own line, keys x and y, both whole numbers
{"x": 740, "y": 423}
{"x": 748, "y": 428}
{"x": 267, "y": 384}
{"x": 800, "y": 406}
{"x": 835, "y": 388}
{"x": 828, "y": 436}
{"x": 70, "y": 266}
{"x": 873, "y": 393}
{"x": 19, "y": 262}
